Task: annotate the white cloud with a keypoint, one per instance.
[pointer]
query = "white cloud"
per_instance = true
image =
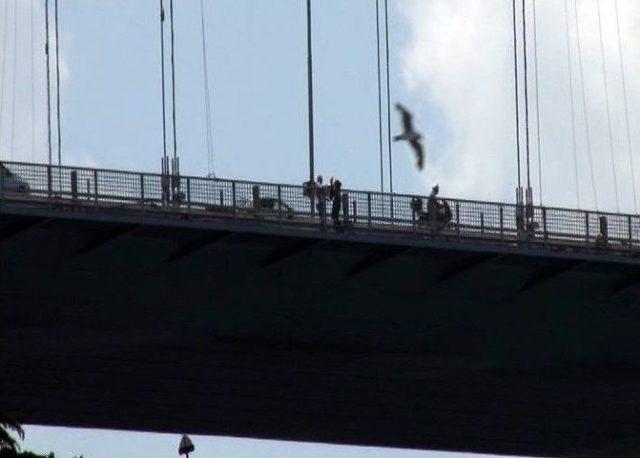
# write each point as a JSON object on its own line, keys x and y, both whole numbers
{"x": 459, "y": 61}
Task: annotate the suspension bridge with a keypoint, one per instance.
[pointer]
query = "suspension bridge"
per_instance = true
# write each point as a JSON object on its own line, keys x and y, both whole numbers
{"x": 174, "y": 303}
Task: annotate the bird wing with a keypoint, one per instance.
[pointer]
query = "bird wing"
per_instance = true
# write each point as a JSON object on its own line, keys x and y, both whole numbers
{"x": 407, "y": 118}
{"x": 419, "y": 150}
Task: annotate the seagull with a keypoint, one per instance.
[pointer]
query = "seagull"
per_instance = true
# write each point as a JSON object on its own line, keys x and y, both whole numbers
{"x": 414, "y": 138}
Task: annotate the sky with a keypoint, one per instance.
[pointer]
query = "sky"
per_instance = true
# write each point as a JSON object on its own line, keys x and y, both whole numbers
{"x": 451, "y": 62}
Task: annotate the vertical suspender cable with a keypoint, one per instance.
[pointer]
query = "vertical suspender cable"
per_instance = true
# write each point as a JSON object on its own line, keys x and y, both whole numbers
{"x": 207, "y": 101}
{"x": 584, "y": 105}
{"x": 573, "y": 116}
{"x": 58, "y": 85}
{"x": 4, "y": 65}
{"x": 526, "y": 89}
{"x": 15, "y": 77}
{"x": 173, "y": 85}
{"x": 33, "y": 88}
{"x": 626, "y": 108}
{"x": 3, "y": 49}
{"x": 386, "y": 39}
{"x": 48, "y": 70}
{"x": 310, "y": 98}
{"x": 606, "y": 95}
{"x": 517, "y": 92}
{"x": 379, "y": 96}
{"x": 538, "y": 134}
{"x": 164, "y": 103}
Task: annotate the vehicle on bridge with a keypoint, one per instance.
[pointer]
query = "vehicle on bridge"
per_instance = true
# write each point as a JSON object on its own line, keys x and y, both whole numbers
{"x": 11, "y": 182}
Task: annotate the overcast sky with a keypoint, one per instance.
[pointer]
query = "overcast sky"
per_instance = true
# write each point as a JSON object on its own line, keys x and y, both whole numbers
{"x": 451, "y": 62}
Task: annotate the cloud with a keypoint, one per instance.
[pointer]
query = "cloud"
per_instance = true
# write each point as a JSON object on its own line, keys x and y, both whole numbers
{"x": 459, "y": 62}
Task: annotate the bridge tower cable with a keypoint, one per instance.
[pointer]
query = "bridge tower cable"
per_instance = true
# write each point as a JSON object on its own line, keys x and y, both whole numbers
{"x": 33, "y": 83}
{"x": 48, "y": 71}
{"x": 162, "y": 77}
{"x": 13, "y": 81}
{"x": 173, "y": 89}
{"x": 572, "y": 100}
{"x": 584, "y": 105}
{"x": 517, "y": 96}
{"x": 57, "y": 35}
{"x": 626, "y": 107}
{"x": 608, "y": 107}
{"x": 380, "y": 142}
{"x": 3, "y": 58}
{"x": 310, "y": 102}
{"x": 386, "y": 39}
{"x": 537, "y": 82}
{"x": 526, "y": 97}
{"x": 207, "y": 101}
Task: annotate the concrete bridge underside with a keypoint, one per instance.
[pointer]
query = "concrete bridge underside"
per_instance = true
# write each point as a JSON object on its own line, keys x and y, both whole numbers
{"x": 128, "y": 321}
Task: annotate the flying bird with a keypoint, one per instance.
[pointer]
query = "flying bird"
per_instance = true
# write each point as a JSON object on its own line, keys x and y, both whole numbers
{"x": 414, "y": 138}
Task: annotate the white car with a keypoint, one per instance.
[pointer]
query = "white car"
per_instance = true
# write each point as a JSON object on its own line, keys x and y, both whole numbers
{"x": 11, "y": 182}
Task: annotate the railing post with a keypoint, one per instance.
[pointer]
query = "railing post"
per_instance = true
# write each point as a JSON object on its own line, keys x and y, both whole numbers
{"x": 95, "y": 185}
{"x": 458, "y": 218}
{"x": 88, "y": 189}
{"x": 233, "y": 197}
{"x": 49, "y": 181}
{"x": 221, "y": 198}
{"x": 142, "y": 188}
{"x": 280, "y": 203}
{"x": 630, "y": 234}
{"x": 355, "y": 211}
{"x": 586, "y": 218}
{"x": 544, "y": 224}
{"x": 501, "y": 222}
{"x": 74, "y": 184}
{"x": 369, "y": 209}
{"x": 482, "y": 223}
{"x": 188, "y": 194}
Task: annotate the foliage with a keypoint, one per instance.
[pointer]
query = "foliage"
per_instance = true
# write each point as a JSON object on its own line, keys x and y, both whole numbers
{"x": 8, "y": 442}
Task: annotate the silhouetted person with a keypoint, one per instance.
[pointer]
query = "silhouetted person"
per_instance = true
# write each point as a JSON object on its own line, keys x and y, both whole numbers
{"x": 320, "y": 192}
{"x": 336, "y": 197}
{"x": 432, "y": 204}
{"x": 411, "y": 135}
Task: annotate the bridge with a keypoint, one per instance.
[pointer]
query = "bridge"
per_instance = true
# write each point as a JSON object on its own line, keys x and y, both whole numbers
{"x": 169, "y": 303}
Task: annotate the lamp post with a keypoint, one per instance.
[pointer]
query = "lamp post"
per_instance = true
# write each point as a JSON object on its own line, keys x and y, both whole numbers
{"x": 186, "y": 446}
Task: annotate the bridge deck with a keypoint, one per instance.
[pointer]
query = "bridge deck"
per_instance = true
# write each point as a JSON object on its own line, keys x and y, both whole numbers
{"x": 120, "y": 312}
{"x": 364, "y": 212}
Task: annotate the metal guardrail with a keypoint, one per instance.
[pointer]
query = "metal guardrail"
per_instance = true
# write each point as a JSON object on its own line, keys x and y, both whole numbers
{"x": 288, "y": 204}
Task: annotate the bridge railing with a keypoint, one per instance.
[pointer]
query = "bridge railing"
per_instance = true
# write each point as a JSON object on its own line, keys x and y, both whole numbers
{"x": 289, "y": 204}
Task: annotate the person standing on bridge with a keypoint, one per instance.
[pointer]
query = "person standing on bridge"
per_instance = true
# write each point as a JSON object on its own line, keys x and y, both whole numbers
{"x": 320, "y": 192}
{"x": 335, "y": 194}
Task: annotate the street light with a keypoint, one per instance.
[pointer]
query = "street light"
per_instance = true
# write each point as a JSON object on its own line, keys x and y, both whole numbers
{"x": 186, "y": 446}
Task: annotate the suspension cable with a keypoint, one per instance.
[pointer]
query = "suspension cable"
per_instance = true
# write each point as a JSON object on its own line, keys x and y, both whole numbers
{"x": 33, "y": 87}
{"x": 13, "y": 82}
{"x": 379, "y": 96}
{"x": 526, "y": 91}
{"x": 4, "y": 65}
{"x": 207, "y": 102}
{"x": 46, "y": 50}
{"x": 573, "y": 117}
{"x": 173, "y": 85}
{"x": 386, "y": 33}
{"x": 164, "y": 102}
{"x": 58, "y": 85}
{"x": 584, "y": 106}
{"x": 606, "y": 95}
{"x": 517, "y": 92}
{"x": 538, "y": 134}
{"x": 626, "y": 108}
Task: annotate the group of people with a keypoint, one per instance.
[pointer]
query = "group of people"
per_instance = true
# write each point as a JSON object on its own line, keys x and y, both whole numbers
{"x": 332, "y": 193}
